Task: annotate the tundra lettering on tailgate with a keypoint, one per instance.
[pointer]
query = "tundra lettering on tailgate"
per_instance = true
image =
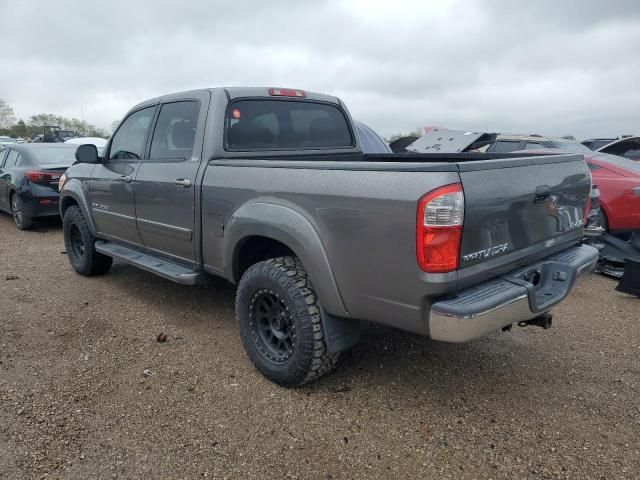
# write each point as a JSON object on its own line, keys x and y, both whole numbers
{"x": 486, "y": 253}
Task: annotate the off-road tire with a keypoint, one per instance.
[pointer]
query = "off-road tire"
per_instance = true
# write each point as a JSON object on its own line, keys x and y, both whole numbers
{"x": 285, "y": 281}
{"x": 17, "y": 212}
{"x": 80, "y": 245}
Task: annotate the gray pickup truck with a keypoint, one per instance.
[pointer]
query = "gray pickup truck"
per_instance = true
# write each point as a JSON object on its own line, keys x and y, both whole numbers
{"x": 270, "y": 189}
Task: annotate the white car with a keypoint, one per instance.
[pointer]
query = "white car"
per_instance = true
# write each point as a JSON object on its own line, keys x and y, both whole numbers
{"x": 6, "y": 141}
{"x": 99, "y": 142}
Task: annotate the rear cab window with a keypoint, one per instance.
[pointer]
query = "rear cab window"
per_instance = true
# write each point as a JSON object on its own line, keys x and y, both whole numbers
{"x": 12, "y": 158}
{"x": 269, "y": 124}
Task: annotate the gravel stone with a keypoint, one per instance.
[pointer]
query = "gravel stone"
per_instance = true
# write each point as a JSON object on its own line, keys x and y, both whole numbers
{"x": 528, "y": 404}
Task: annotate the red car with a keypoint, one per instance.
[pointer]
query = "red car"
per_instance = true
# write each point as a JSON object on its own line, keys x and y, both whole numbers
{"x": 618, "y": 180}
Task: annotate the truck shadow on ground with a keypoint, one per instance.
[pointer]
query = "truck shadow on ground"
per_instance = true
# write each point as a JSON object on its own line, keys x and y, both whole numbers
{"x": 42, "y": 225}
{"x": 384, "y": 357}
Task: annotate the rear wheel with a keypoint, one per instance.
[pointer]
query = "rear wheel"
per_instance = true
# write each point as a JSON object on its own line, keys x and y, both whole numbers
{"x": 17, "y": 210}
{"x": 280, "y": 325}
{"x": 80, "y": 245}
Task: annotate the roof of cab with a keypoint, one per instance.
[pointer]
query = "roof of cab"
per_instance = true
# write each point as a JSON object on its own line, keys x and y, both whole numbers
{"x": 239, "y": 92}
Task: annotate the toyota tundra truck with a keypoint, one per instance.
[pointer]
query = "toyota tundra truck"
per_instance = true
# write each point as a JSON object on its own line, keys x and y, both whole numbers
{"x": 269, "y": 188}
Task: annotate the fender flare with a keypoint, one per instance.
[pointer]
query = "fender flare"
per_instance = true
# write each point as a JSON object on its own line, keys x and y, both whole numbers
{"x": 293, "y": 229}
{"x": 74, "y": 193}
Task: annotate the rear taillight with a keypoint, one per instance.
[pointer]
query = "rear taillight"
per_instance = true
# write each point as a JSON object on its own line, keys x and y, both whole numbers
{"x": 286, "y": 92}
{"x": 36, "y": 176}
{"x": 439, "y": 229}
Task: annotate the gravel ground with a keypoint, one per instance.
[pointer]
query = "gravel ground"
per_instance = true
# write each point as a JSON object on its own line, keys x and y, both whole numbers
{"x": 86, "y": 390}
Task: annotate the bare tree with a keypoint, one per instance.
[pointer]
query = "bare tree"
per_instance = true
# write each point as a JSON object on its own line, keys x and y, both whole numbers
{"x": 7, "y": 117}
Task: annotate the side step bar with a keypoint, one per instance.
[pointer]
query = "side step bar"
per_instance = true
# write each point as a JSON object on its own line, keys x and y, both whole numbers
{"x": 164, "y": 268}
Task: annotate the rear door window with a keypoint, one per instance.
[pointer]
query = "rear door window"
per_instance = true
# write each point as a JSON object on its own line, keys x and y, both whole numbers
{"x": 12, "y": 158}
{"x": 286, "y": 124}
{"x": 3, "y": 155}
{"x": 175, "y": 131}
{"x": 130, "y": 139}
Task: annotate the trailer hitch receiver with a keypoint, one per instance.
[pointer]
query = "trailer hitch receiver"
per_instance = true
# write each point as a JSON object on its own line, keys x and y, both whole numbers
{"x": 544, "y": 321}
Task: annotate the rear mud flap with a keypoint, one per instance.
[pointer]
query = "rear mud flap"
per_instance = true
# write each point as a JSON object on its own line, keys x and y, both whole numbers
{"x": 630, "y": 282}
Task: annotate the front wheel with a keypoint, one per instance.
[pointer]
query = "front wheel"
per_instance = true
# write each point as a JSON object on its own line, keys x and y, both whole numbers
{"x": 80, "y": 245}
{"x": 280, "y": 325}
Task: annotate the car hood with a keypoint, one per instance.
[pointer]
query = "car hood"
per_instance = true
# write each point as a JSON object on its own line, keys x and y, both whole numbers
{"x": 620, "y": 165}
{"x": 443, "y": 140}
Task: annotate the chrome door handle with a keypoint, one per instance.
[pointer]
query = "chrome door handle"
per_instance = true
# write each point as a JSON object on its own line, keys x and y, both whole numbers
{"x": 125, "y": 178}
{"x": 183, "y": 182}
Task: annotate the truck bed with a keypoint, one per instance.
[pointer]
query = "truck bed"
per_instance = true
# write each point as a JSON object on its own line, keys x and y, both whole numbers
{"x": 362, "y": 209}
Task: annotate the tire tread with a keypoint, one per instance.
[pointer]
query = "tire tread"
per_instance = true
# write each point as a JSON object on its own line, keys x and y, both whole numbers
{"x": 316, "y": 360}
{"x": 94, "y": 263}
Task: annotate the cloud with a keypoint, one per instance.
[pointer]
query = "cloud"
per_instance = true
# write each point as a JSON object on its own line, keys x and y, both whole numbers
{"x": 546, "y": 67}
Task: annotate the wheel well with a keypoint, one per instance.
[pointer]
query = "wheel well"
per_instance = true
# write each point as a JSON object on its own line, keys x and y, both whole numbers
{"x": 255, "y": 249}
{"x": 65, "y": 203}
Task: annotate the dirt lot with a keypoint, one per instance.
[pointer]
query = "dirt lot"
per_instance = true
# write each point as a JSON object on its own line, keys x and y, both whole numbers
{"x": 75, "y": 403}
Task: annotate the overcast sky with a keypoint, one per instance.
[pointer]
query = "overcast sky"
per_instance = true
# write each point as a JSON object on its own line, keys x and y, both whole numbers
{"x": 551, "y": 67}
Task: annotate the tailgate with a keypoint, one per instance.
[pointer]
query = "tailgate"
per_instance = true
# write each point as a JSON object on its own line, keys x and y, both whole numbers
{"x": 518, "y": 209}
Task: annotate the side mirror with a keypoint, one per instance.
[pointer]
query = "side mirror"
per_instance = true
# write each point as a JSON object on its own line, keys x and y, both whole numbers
{"x": 87, "y": 154}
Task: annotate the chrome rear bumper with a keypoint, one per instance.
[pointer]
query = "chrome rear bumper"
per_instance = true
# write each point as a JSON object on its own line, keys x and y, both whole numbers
{"x": 518, "y": 296}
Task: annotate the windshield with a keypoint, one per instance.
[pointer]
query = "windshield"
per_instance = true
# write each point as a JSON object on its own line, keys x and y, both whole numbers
{"x": 54, "y": 156}
{"x": 571, "y": 147}
{"x": 596, "y": 144}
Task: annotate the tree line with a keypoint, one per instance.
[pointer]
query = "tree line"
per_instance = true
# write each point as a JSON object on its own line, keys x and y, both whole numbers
{"x": 15, "y": 127}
